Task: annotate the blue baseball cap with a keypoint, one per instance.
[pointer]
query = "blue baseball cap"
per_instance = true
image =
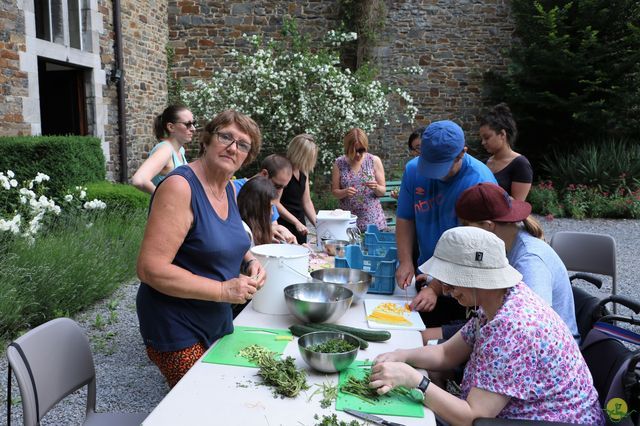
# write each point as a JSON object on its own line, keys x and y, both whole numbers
{"x": 441, "y": 143}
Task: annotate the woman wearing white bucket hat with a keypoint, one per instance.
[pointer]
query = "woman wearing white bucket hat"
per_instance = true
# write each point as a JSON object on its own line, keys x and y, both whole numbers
{"x": 522, "y": 361}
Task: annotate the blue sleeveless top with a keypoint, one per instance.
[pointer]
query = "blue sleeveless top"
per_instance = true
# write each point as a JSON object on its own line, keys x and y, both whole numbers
{"x": 178, "y": 160}
{"x": 212, "y": 248}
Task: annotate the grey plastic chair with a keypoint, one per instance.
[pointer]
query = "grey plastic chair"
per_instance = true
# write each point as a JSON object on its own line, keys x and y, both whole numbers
{"x": 588, "y": 252}
{"x": 52, "y": 361}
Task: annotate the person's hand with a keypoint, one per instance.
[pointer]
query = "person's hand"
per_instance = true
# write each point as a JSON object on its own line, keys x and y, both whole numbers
{"x": 425, "y": 300}
{"x": 350, "y": 191}
{"x": 239, "y": 290}
{"x": 257, "y": 273}
{"x": 399, "y": 355}
{"x": 281, "y": 233}
{"x": 372, "y": 184}
{"x": 388, "y": 375}
{"x": 301, "y": 228}
{"x": 394, "y": 193}
{"x": 404, "y": 274}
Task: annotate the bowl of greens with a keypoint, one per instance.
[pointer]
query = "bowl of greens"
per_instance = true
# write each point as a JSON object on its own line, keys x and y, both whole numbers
{"x": 317, "y": 302}
{"x": 328, "y": 351}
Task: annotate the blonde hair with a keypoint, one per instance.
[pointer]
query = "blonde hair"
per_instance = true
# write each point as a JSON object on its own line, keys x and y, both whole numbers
{"x": 303, "y": 152}
{"x": 352, "y": 137}
{"x": 530, "y": 224}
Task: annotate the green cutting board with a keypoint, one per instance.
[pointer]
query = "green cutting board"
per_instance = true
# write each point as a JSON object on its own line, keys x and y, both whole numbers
{"x": 395, "y": 405}
{"x": 226, "y": 349}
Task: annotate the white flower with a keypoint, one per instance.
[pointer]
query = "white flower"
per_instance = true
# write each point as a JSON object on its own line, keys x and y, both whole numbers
{"x": 13, "y": 183}
{"x": 94, "y": 204}
{"x": 83, "y": 194}
{"x": 10, "y": 174}
{"x": 68, "y": 198}
{"x": 41, "y": 177}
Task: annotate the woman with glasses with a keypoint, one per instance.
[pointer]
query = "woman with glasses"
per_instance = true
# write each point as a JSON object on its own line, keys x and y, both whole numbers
{"x": 173, "y": 128}
{"x": 194, "y": 261}
{"x": 522, "y": 361}
{"x": 415, "y": 139}
{"x": 295, "y": 202}
{"x": 357, "y": 181}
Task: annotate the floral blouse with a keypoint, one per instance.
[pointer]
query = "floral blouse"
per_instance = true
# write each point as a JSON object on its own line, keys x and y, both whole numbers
{"x": 527, "y": 353}
{"x": 364, "y": 204}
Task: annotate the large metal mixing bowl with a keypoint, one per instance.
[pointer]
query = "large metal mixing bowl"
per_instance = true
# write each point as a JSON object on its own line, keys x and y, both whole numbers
{"x": 355, "y": 280}
{"x": 327, "y": 362}
{"x": 317, "y": 302}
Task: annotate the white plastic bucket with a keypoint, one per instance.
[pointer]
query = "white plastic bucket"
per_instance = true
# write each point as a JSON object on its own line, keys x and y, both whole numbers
{"x": 334, "y": 228}
{"x": 285, "y": 264}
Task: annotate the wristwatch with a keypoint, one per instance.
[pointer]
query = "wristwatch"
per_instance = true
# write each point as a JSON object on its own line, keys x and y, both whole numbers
{"x": 418, "y": 391}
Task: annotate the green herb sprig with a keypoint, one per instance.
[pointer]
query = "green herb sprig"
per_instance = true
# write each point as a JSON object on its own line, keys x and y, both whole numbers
{"x": 332, "y": 420}
{"x": 282, "y": 375}
{"x": 329, "y": 394}
{"x": 360, "y": 389}
{"x": 332, "y": 346}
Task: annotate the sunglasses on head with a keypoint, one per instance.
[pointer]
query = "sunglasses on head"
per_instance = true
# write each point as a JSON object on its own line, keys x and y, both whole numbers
{"x": 361, "y": 150}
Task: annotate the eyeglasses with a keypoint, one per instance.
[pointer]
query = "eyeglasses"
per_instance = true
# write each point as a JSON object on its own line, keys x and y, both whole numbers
{"x": 361, "y": 150}
{"x": 415, "y": 149}
{"x": 187, "y": 124}
{"x": 226, "y": 139}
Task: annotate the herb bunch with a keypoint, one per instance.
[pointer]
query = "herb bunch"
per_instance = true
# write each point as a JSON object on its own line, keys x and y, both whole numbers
{"x": 282, "y": 375}
{"x": 332, "y": 420}
{"x": 360, "y": 389}
{"x": 332, "y": 346}
{"x": 329, "y": 394}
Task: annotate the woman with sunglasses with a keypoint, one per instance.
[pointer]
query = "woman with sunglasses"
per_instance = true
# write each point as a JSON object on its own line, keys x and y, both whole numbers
{"x": 357, "y": 181}
{"x": 173, "y": 128}
{"x": 194, "y": 261}
{"x": 522, "y": 361}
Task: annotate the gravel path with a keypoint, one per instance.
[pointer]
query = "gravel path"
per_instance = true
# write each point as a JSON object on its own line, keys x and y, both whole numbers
{"x": 127, "y": 381}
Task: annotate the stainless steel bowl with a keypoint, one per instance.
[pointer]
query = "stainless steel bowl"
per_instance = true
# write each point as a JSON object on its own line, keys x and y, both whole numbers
{"x": 326, "y": 362}
{"x": 335, "y": 247}
{"x": 355, "y": 280}
{"x": 317, "y": 302}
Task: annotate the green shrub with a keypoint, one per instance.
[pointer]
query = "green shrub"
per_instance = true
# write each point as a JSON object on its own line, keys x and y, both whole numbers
{"x": 544, "y": 200}
{"x": 324, "y": 200}
{"x": 607, "y": 165}
{"x": 572, "y": 73}
{"x": 68, "y": 160}
{"x": 118, "y": 196}
{"x": 66, "y": 269}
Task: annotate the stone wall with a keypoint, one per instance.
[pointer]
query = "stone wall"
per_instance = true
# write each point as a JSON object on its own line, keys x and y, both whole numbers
{"x": 144, "y": 38}
{"x": 454, "y": 42}
{"x": 13, "y": 81}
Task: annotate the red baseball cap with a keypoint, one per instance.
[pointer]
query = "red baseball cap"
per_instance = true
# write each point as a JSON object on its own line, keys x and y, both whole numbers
{"x": 488, "y": 201}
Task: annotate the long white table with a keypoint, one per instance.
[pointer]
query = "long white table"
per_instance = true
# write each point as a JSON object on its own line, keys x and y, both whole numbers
{"x": 213, "y": 394}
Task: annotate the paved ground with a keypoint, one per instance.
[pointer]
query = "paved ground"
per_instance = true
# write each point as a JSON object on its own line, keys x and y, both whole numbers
{"x": 127, "y": 381}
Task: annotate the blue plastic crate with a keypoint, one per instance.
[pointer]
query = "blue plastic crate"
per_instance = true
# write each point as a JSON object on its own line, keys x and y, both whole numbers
{"x": 377, "y": 242}
{"x": 382, "y": 268}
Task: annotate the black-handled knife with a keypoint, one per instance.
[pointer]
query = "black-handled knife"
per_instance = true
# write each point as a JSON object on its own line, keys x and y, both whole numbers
{"x": 371, "y": 418}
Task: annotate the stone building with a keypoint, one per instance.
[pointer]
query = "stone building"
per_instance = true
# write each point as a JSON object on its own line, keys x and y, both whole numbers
{"x": 99, "y": 67}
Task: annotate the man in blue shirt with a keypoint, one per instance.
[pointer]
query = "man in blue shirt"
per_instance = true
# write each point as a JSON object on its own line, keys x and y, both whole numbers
{"x": 430, "y": 187}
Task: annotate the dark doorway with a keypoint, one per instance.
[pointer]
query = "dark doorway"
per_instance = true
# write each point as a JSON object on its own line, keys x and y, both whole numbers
{"x": 63, "y": 109}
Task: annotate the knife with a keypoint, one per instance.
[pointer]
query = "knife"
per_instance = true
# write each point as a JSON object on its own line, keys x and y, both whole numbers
{"x": 371, "y": 418}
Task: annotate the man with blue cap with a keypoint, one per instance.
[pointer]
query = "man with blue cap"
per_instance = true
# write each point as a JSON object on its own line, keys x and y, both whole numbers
{"x": 430, "y": 188}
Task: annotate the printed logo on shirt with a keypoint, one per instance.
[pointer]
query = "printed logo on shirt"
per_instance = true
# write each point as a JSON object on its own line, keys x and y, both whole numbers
{"x": 423, "y": 206}
{"x": 419, "y": 190}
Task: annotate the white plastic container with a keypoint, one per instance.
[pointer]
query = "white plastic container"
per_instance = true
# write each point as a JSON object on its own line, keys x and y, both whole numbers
{"x": 333, "y": 224}
{"x": 285, "y": 264}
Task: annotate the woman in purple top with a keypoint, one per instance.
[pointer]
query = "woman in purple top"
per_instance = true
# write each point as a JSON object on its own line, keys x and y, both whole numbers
{"x": 522, "y": 361}
{"x": 357, "y": 181}
{"x": 512, "y": 170}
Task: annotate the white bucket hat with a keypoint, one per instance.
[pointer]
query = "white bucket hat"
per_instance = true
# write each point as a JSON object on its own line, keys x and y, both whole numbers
{"x": 471, "y": 257}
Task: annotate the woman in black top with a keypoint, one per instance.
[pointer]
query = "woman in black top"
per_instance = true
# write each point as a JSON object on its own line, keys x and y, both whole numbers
{"x": 512, "y": 170}
{"x": 295, "y": 202}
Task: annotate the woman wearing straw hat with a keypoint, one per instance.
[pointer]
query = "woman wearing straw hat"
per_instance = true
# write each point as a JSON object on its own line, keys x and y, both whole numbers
{"x": 522, "y": 361}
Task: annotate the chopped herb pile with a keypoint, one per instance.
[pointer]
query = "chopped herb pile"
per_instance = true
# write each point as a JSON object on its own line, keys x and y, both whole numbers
{"x": 332, "y": 346}
{"x": 360, "y": 389}
{"x": 332, "y": 420}
{"x": 329, "y": 394}
{"x": 282, "y": 375}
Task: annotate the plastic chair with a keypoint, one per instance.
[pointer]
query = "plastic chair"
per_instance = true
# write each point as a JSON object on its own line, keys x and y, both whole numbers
{"x": 587, "y": 252}
{"x": 52, "y": 361}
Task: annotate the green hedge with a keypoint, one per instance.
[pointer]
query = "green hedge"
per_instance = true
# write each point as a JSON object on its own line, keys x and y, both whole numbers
{"x": 68, "y": 160}
{"x": 118, "y": 196}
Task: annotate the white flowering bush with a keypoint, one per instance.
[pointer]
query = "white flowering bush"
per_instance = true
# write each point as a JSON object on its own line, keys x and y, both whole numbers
{"x": 289, "y": 89}
{"x": 26, "y": 208}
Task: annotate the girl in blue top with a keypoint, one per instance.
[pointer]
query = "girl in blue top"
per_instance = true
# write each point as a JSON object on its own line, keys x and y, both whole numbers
{"x": 173, "y": 128}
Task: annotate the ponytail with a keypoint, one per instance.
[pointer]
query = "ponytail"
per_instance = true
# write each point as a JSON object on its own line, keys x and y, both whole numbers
{"x": 533, "y": 227}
